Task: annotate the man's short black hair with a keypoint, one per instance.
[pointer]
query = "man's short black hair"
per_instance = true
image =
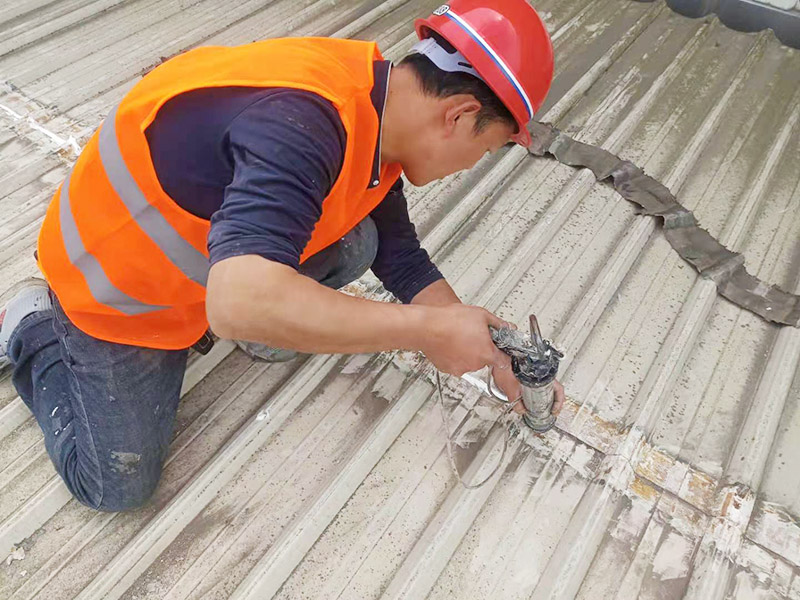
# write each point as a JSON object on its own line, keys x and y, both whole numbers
{"x": 442, "y": 84}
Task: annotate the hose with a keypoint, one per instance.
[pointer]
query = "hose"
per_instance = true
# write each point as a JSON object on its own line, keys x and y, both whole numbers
{"x": 508, "y": 407}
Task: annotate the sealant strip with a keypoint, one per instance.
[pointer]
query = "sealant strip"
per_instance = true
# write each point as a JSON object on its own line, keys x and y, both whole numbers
{"x": 694, "y": 244}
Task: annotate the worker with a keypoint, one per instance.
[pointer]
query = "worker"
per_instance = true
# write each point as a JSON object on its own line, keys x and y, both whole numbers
{"x": 232, "y": 191}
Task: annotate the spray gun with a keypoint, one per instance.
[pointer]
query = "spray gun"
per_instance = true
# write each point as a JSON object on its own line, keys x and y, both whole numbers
{"x": 534, "y": 362}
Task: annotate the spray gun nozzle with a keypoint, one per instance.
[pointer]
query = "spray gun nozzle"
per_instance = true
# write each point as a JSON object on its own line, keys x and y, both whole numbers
{"x": 536, "y": 334}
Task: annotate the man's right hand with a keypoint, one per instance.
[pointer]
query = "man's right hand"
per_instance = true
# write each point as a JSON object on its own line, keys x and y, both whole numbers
{"x": 457, "y": 341}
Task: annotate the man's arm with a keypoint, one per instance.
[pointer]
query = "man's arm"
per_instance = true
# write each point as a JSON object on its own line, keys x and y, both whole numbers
{"x": 439, "y": 293}
{"x": 251, "y": 298}
{"x": 286, "y": 151}
{"x": 255, "y": 299}
{"x": 401, "y": 264}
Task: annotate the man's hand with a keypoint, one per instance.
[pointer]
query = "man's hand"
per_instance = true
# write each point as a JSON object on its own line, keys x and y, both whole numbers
{"x": 558, "y": 395}
{"x": 505, "y": 379}
{"x": 458, "y": 341}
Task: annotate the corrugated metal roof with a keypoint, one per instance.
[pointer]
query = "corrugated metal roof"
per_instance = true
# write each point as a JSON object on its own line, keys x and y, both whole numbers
{"x": 671, "y": 472}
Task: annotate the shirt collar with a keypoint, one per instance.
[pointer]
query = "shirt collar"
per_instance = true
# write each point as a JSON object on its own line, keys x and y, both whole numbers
{"x": 381, "y": 70}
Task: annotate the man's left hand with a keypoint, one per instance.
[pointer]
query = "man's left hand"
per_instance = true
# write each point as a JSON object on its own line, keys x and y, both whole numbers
{"x": 506, "y": 381}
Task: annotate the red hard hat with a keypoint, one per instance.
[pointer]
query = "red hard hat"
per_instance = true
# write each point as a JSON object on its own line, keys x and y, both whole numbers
{"x": 507, "y": 44}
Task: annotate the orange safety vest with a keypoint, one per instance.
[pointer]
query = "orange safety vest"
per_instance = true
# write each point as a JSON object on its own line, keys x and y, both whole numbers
{"x": 128, "y": 264}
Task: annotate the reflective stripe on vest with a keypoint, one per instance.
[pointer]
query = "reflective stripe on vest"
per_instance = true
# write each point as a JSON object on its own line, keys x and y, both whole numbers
{"x": 181, "y": 253}
{"x": 185, "y": 257}
{"x": 99, "y": 284}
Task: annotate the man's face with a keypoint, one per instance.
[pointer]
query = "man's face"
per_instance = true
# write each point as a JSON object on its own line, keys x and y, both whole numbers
{"x": 454, "y": 146}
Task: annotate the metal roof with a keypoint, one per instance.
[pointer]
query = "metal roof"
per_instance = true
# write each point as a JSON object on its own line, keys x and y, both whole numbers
{"x": 671, "y": 473}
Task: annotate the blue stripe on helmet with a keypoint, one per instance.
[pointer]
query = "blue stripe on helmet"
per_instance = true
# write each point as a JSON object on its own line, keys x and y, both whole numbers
{"x": 503, "y": 68}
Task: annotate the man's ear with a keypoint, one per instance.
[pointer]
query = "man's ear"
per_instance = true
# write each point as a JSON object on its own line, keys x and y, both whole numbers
{"x": 458, "y": 109}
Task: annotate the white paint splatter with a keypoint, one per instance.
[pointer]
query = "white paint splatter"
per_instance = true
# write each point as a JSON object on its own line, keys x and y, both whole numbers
{"x": 11, "y": 112}
{"x": 60, "y": 142}
{"x": 16, "y": 554}
{"x": 69, "y": 142}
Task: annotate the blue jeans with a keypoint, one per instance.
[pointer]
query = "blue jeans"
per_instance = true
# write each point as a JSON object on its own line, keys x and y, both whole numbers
{"x": 107, "y": 410}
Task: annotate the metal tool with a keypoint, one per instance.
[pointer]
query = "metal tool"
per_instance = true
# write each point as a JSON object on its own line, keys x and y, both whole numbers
{"x": 534, "y": 362}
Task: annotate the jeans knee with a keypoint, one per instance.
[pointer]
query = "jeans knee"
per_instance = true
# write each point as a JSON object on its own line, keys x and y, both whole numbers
{"x": 357, "y": 252}
{"x": 125, "y": 503}
{"x": 346, "y": 260}
{"x": 120, "y": 500}
{"x": 134, "y": 481}
{"x": 127, "y": 485}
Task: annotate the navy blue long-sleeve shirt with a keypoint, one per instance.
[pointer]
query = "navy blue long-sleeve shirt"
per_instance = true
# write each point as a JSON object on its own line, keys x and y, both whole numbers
{"x": 259, "y": 162}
